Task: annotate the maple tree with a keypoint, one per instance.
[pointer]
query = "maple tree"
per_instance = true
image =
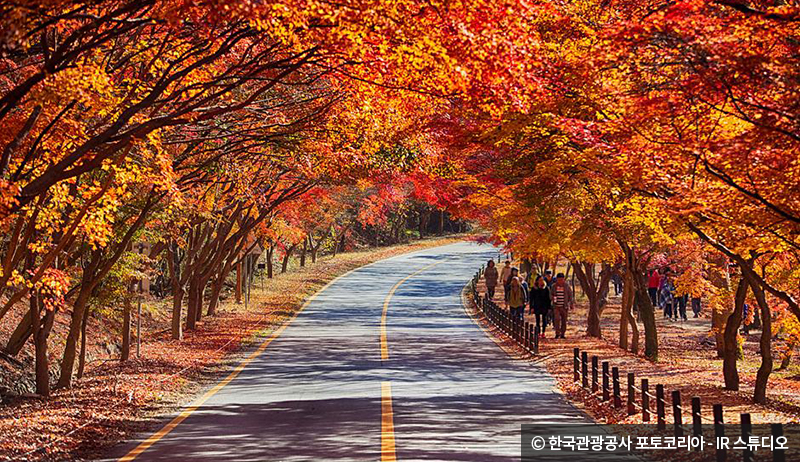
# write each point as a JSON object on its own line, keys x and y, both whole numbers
{"x": 615, "y": 135}
{"x": 174, "y": 123}
{"x": 687, "y": 131}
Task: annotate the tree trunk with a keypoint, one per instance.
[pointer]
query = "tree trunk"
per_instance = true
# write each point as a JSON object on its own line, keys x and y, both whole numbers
{"x": 42, "y": 361}
{"x": 191, "y": 310}
{"x": 786, "y": 361}
{"x": 303, "y": 253}
{"x": 440, "y": 229}
{"x": 239, "y": 281}
{"x": 721, "y": 280}
{"x": 648, "y": 316}
{"x": 765, "y": 369}
{"x": 40, "y": 335}
{"x": 634, "y": 327}
{"x": 201, "y": 291}
{"x": 314, "y": 250}
{"x": 20, "y": 336}
{"x": 126, "y": 324}
{"x": 626, "y": 314}
{"x": 70, "y": 349}
{"x": 642, "y": 301}
{"x": 77, "y": 321}
{"x": 286, "y": 257}
{"x": 424, "y": 218}
{"x": 270, "y": 269}
{"x": 126, "y": 331}
{"x": 596, "y": 289}
{"x": 584, "y": 275}
{"x": 732, "y": 351}
{"x": 216, "y": 289}
{"x": 82, "y": 357}
{"x": 177, "y": 313}
{"x": 177, "y": 292}
{"x": 718, "y": 317}
{"x": 394, "y": 232}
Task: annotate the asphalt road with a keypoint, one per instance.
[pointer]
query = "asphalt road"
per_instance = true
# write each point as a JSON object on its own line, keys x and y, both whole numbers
{"x": 335, "y": 386}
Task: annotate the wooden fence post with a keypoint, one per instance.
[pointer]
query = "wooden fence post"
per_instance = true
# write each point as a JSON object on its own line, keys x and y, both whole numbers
{"x": 645, "y": 400}
{"x": 584, "y": 369}
{"x": 697, "y": 419}
{"x": 631, "y": 394}
{"x": 526, "y": 336}
{"x": 747, "y": 430}
{"x": 778, "y": 455}
{"x": 605, "y": 382}
{"x": 660, "y": 412}
{"x": 677, "y": 413}
{"x": 719, "y": 432}
{"x": 577, "y": 364}
{"x": 594, "y": 373}
{"x": 617, "y": 391}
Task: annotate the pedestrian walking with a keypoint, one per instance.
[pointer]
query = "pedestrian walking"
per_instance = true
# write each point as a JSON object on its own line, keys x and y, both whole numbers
{"x": 563, "y": 301}
{"x": 682, "y": 300}
{"x": 653, "y": 285}
{"x": 549, "y": 279}
{"x": 696, "y": 307}
{"x": 523, "y": 279}
{"x": 526, "y": 291}
{"x": 490, "y": 277}
{"x": 514, "y": 274}
{"x": 745, "y": 320}
{"x": 516, "y": 298}
{"x": 666, "y": 294}
{"x": 616, "y": 280}
{"x": 505, "y": 278}
{"x": 540, "y": 304}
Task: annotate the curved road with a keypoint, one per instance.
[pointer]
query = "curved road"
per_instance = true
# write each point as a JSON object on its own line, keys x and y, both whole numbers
{"x": 384, "y": 363}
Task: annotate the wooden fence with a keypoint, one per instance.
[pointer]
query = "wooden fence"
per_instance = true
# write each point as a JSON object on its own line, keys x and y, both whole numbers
{"x": 607, "y": 388}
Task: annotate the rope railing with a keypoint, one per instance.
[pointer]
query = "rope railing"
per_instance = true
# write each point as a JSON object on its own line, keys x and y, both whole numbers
{"x": 601, "y": 381}
{"x": 609, "y": 393}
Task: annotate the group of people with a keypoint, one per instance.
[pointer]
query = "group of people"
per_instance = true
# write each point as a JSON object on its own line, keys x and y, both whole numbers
{"x": 661, "y": 288}
{"x": 549, "y": 298}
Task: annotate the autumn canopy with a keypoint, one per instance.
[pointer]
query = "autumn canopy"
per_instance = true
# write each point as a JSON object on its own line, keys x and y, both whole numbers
{"x": 616, "y": 135}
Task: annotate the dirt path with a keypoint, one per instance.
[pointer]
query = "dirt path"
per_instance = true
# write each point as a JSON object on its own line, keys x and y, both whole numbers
{"x": 687, "y": 363}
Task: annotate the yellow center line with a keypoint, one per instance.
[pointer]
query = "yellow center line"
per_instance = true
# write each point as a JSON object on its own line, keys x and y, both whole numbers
{"x": 384, "y": 342}
{"x": 388, "y": 453}
{"x": 164, "y": 431}
{"x": 387, "y": 424}
{"x": 387, "y": 418}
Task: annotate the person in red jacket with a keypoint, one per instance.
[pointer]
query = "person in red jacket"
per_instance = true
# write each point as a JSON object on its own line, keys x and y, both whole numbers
{"x": 653, "y": 285}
